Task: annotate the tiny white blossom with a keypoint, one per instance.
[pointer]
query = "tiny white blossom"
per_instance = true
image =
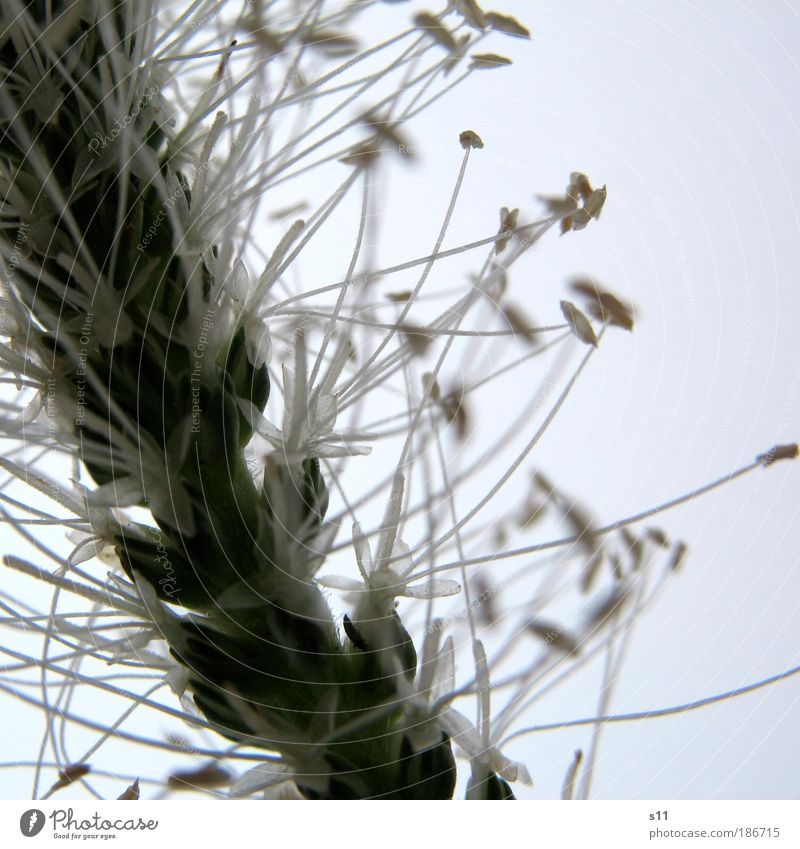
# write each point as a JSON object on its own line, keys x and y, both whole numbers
{"x": 308, "y": 420}
{"x": 467, "y": 737}
{"x": 387, "y": 578}
{"x": 429, "y": 711}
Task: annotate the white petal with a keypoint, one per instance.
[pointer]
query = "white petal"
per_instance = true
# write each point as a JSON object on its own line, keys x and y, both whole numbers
{"x": 238, "y": 284}
{"x": 444, "y": 681}
{"x": 327, "y": 408}
{"x": 132, "y": 645}
{"x": 328, "y": 449}
{"x": 401, "y": 558}
{"x": 286, "y": 791}
{"x": 33, "y": 409}
{"x": 84, "y": 551}
{"x": 257, "y": 341}
{"x": 463, "y": 733}
{"x": 297, "y": 409}
{"x": 177, "y": 679}
{"x": 523, "y": 775}
{"x": 507, "y": 769}
{"x": 363, "y": 554}
{"x": 288, "y": 395}
{"x": 429, "y": 661}
{"x": 259, "y": 424}
{"x": 438, "y": 588}
{"x": 261, "y": 777}
{"x": 156, "y": 610}
{"x": 391, "y": 518}
{"x": 484, "y": 688}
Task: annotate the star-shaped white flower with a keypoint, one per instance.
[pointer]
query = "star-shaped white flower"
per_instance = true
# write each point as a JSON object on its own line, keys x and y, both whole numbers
{"x": 386, "y": 576}
{"x": 308, "y": 422}
{"x": 430, "y": 710}
{"x": 467, "y": 737}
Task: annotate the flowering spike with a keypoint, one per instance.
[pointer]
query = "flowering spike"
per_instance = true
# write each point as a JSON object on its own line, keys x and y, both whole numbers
{"x": 147, "y": 160}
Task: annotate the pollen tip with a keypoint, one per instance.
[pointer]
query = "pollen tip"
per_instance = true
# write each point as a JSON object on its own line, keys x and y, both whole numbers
{"x": 470, "y": 139}
{"x": 789, "y": 451}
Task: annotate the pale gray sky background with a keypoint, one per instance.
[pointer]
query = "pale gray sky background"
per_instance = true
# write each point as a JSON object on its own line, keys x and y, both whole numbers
{"x": 688, "y": 112}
